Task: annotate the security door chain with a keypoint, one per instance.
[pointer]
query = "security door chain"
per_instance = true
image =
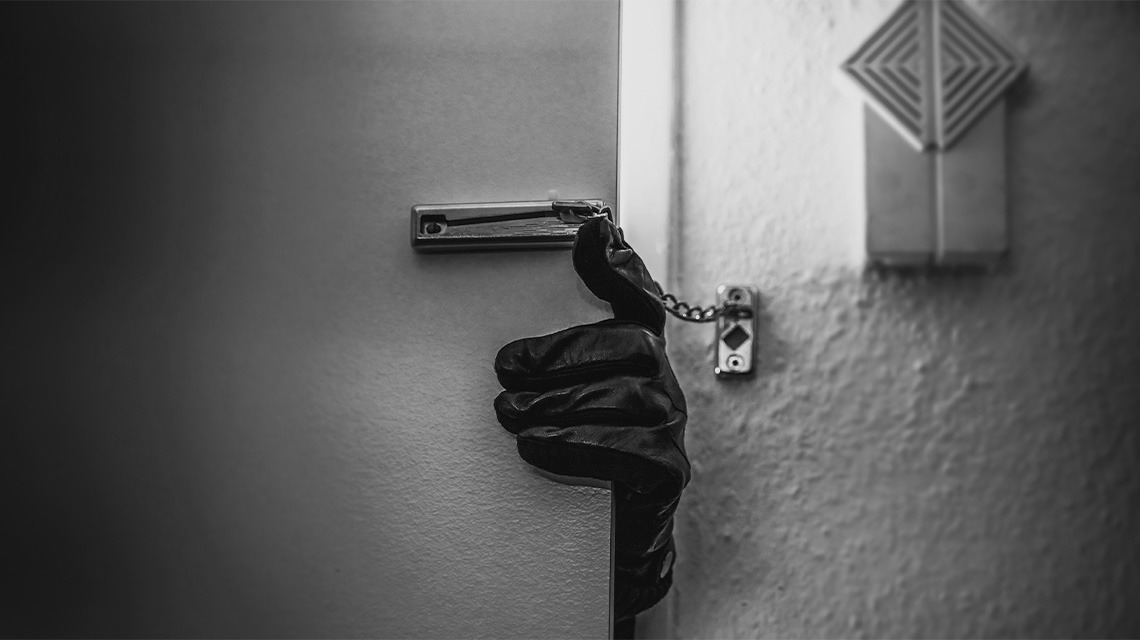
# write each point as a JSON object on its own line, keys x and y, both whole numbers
{"x": 553, "y": 224}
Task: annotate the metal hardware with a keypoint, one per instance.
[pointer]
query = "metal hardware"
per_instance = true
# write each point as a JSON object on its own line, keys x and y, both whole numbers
{"x": 538, "y": 224}
{"x": 579, "y": 211}
{"x": 689, "y": 312}
{"x": 553, "y": 224}
{"x": 735, "y": 329}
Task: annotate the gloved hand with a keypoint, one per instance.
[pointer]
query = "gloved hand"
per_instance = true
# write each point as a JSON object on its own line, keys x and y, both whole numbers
{"x": 601, "y": 401}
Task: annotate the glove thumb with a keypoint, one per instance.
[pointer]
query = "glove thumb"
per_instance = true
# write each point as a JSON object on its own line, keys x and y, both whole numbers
{"x": 613, "y": 271}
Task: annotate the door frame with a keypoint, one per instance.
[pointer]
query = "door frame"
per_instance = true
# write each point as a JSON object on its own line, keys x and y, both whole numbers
{"x": 649, "y": 128}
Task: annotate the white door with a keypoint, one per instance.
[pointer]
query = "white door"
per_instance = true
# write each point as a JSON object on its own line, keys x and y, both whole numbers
{"x": 240, "y": 404}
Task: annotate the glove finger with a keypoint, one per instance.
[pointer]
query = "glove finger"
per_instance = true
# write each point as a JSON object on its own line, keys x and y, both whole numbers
{"x": 645, "y": 459}
{"x": 579, "y": 354}
{"x": 616, "y": 401}
{"x": 613, "y": 271}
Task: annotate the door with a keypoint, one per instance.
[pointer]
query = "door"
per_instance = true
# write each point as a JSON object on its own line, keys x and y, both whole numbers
{"x": 237, "y": 402}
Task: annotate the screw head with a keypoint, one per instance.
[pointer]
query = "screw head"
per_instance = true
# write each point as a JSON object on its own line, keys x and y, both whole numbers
{"x": 433, "y": 227}
{"x": 735, "y": 362}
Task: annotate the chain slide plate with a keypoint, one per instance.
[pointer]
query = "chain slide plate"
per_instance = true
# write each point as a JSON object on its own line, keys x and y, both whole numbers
{"x": 535, "y": 224}
{"x": 736, "y": 330}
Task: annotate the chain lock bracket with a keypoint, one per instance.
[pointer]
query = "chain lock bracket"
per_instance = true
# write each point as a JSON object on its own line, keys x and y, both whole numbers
{"x": 735, "y": 317}
{"x": 736, "y": 330}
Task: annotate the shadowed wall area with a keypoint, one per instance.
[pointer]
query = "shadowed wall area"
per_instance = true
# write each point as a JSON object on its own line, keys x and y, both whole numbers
{"x": 936, "y": 455}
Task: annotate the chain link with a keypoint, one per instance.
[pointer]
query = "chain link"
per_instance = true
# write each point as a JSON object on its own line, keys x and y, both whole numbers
{"x": 690, "y": 312}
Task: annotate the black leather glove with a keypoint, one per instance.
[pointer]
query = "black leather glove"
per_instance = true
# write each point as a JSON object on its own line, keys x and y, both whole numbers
{"x": 601, "y": 401}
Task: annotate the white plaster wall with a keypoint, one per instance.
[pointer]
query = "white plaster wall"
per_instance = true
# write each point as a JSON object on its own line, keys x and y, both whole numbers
{"x": 941, "y": 455}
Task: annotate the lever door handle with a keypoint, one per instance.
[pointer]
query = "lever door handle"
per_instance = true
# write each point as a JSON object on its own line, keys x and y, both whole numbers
{"x": 536, "y": 224}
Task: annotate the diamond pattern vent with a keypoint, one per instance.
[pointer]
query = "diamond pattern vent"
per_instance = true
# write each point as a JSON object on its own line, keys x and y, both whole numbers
{"x": 932, "y": 69}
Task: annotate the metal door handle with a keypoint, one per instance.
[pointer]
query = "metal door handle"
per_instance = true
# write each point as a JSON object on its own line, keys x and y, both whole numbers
{"x": 536, "y": 224}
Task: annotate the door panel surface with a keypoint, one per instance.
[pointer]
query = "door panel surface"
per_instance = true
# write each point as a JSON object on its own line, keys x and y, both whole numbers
{"x": 237, "y": 402}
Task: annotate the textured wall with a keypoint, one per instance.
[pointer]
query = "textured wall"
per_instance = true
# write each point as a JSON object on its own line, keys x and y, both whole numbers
{"x": 925, "y": 455}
